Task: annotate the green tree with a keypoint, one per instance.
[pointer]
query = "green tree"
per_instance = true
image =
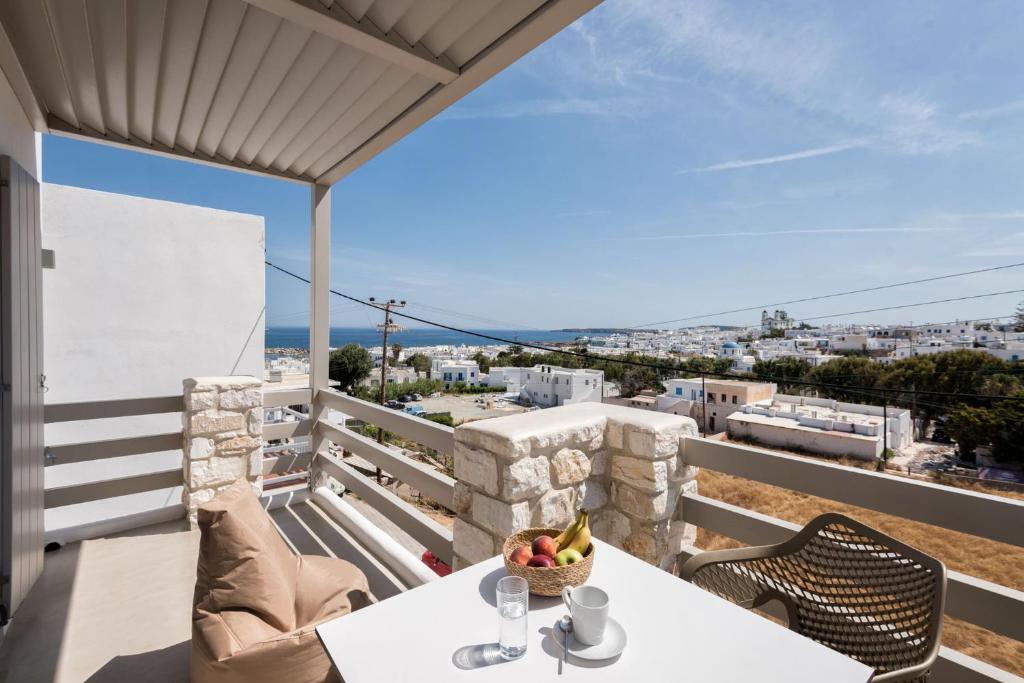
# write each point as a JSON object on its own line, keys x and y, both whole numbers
{"x": 419, "y": 362}
{"x": 396, "y": 351}
{"x": 1001, "y": 385}
{"x": 483, "y": 361}
{"x": 350, "y": 365}
{"x": 636, "y": 379}
{"x": 780, "y": 369}
{"x": 850, "y": 371}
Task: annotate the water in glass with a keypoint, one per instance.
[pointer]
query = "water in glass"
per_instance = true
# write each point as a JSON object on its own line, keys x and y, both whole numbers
{"x": 513, "y": 604}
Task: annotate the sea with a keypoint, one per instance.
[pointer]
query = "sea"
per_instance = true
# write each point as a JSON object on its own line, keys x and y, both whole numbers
{"x": 298, "y": 337}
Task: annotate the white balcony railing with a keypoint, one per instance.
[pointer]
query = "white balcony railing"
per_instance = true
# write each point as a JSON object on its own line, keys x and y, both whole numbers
{"x": 994, "y": 607}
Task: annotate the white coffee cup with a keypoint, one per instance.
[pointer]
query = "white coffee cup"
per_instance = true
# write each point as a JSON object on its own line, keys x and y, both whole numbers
{"x": 588, "y": 607}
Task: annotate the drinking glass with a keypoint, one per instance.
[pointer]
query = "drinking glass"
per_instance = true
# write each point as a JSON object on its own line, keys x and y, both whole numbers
{"x": 513, "y": 603}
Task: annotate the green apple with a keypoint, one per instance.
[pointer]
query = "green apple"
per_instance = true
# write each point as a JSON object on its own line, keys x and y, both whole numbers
{"x": 568, "y": 556}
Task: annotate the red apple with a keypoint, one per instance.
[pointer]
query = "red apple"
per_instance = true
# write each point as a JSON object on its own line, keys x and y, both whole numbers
{"x": 540, "y": 561}
{"x": 545, "y": 545}
{"x": 521, "y": 555}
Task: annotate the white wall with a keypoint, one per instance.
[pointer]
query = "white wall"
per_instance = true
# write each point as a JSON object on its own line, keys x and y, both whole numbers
{"x": 144, "y": 294}
{"x": 810, "y": 440}
{"x": 17, "y": 138}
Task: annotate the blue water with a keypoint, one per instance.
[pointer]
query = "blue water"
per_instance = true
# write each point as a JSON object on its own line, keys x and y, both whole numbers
{"x": 298, "y": 337}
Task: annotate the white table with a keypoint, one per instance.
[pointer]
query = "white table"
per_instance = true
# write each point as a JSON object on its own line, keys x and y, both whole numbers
{"x": 675, "y": 631}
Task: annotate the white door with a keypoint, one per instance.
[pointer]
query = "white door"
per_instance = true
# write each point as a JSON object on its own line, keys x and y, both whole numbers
{"x": 21, "y": 381}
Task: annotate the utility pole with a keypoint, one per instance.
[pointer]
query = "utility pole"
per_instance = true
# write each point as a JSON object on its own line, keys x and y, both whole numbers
{"x": 885, "y": 432}
{"x": 704, "y": 406}
{"x": 386, "y": 328}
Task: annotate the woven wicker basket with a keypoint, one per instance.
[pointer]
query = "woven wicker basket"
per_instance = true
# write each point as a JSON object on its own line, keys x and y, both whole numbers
{"x": 546, "y": 580}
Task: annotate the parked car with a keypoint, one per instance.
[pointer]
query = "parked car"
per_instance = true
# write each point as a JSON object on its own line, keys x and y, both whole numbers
{"x": 417, "y": 397}
{"x": 940, "y": 436}
{"x": 415, "y": 410}
{"x": 394, "y": 405}
{"x": 405, "y": 398}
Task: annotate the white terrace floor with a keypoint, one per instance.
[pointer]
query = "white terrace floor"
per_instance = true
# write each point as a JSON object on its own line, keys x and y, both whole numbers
{"x": 118, "y": 609}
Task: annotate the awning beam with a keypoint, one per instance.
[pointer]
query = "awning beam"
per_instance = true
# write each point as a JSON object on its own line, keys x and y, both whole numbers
{"x": 339, "y": 25}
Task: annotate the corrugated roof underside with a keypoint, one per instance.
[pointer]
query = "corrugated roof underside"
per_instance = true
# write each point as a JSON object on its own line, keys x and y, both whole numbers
{"x": 233, "y": 82}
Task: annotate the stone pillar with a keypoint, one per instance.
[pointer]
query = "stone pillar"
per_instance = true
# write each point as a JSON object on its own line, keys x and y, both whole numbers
{"x": 537, "y": 469}
{"x": 223, "y": 437}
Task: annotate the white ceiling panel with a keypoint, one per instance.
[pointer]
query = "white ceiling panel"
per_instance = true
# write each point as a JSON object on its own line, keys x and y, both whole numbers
{"x": 28, "y": 27}
{"x": 350, "y": 91}
{"x": 251, "y": 46}
{"x": 385, "y": 13}
{"x": 75, "y": 52}
{"x": 330, "y": 78}
{"x": 222, "y": 26}
{"x": 409, "y": 93}
{"x": 422, "y": 17}
{"x": 281, "y": 57}
{"x": 310, "y": 64}
{"x": 301, "y": 89}
{"x": 144, "y": 22}
{"x": 457, "y": 22}
{"x": 360, "y": 108}
{"x": 110, "y": 52}
{"x": 183, "y": 25}
{"x": 489, "y": 29}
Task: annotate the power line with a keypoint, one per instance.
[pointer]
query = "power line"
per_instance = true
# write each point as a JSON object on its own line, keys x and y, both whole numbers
{"x": 830, "y": 296}
{"x": 490, "y": 321}
{"x": 636, "y": 363}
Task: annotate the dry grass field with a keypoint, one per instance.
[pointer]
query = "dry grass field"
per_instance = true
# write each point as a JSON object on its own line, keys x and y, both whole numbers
{"x": 996, "y": 562}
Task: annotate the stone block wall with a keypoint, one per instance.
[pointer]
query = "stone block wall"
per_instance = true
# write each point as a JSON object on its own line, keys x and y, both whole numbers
{"x": 537, "y": 469}
{"x": 223, "y": 437}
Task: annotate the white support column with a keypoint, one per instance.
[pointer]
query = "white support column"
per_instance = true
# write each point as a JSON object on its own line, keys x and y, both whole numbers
{"x": 319, "y": 306}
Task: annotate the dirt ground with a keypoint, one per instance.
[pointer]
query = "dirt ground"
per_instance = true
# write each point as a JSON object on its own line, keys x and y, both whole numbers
{"x": 925, "y": 455}
{"x": 464, "y": 407}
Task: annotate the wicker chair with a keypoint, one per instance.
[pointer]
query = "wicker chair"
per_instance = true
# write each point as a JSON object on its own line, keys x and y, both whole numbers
{"x": 844, "y": 585}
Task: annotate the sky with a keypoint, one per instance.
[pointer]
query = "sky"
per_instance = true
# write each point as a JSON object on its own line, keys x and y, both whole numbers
{"x": 661, "y": 159}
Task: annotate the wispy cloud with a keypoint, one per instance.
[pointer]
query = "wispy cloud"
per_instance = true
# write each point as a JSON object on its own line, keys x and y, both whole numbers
{"x": 770, "y": 233}
{"x": 800, "y": 58}
{"x": 579, "y": 106}
{"x": 992, "y": 112}
{"x": 1012, "y": 215}
{"x": 779, "y": 158}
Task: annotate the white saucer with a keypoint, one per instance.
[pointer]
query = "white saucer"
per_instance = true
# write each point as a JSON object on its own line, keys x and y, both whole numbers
{"x": 612, "y": 645}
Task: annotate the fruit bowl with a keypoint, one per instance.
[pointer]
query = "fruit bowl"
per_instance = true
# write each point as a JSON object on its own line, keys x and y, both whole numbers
{"x": 547, "y": 581}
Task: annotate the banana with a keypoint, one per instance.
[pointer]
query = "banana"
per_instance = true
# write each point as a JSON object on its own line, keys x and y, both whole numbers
{"x": 581, "y": 541}
{"x": 565, "y": 538}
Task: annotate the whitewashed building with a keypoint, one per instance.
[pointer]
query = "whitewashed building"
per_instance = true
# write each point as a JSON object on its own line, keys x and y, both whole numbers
{"x": 823, "y": 426}
{"x": 550, "y": 385}
{"x": 139, "y": 326}
{"x": 1007, "y": 350}
{"x": 510, "y": 378}
{"x": 453, "y": 372}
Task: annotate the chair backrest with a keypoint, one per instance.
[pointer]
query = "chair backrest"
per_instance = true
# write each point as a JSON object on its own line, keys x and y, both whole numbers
{"x": 244, "y": 564}
{"x": 861, "y": 592}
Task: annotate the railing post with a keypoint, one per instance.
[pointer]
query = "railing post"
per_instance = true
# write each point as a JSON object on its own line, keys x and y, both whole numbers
{"x": 536, "y": 469}
{"x": 222, "y": 429}
{"x": 319, "y": 317}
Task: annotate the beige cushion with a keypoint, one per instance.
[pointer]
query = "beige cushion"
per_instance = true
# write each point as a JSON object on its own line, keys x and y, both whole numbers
{"x": 256, "y": 603}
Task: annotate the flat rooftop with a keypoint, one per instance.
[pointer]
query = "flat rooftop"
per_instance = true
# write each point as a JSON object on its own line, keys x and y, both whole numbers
{"x": 788, "y": 423}
{"x": 739, "y": 383}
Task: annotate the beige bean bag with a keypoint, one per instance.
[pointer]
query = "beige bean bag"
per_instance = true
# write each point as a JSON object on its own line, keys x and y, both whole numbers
{"x": 256, "y": 603}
